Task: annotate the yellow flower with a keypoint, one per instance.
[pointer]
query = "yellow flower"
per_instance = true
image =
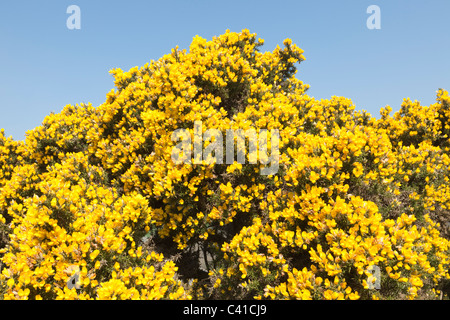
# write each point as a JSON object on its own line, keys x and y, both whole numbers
{"x": 94, "y": 254}
{"x": 415, "y": 281}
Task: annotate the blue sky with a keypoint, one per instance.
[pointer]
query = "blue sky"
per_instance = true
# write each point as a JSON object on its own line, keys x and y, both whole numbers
{"x": 44, "y": 65}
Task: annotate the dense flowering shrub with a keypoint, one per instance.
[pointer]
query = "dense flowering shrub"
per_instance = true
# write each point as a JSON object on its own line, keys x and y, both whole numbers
{"x": 92, "y": 205}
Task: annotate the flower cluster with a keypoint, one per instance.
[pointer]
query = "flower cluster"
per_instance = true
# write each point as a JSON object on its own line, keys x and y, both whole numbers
{"x": 92, "y": 205}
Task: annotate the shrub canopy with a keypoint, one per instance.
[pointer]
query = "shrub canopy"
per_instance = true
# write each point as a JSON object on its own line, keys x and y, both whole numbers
{"x": 92, "y": 206}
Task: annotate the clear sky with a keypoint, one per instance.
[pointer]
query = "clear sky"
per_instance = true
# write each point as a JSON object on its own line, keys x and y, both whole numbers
{"x": 44, "y": 65}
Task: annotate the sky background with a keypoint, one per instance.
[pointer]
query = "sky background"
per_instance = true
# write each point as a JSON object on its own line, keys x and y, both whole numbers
{"x": 45, "y": 66}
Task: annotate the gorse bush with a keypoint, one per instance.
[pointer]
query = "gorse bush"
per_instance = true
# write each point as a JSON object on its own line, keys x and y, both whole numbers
{"x": 92, "y": 205}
